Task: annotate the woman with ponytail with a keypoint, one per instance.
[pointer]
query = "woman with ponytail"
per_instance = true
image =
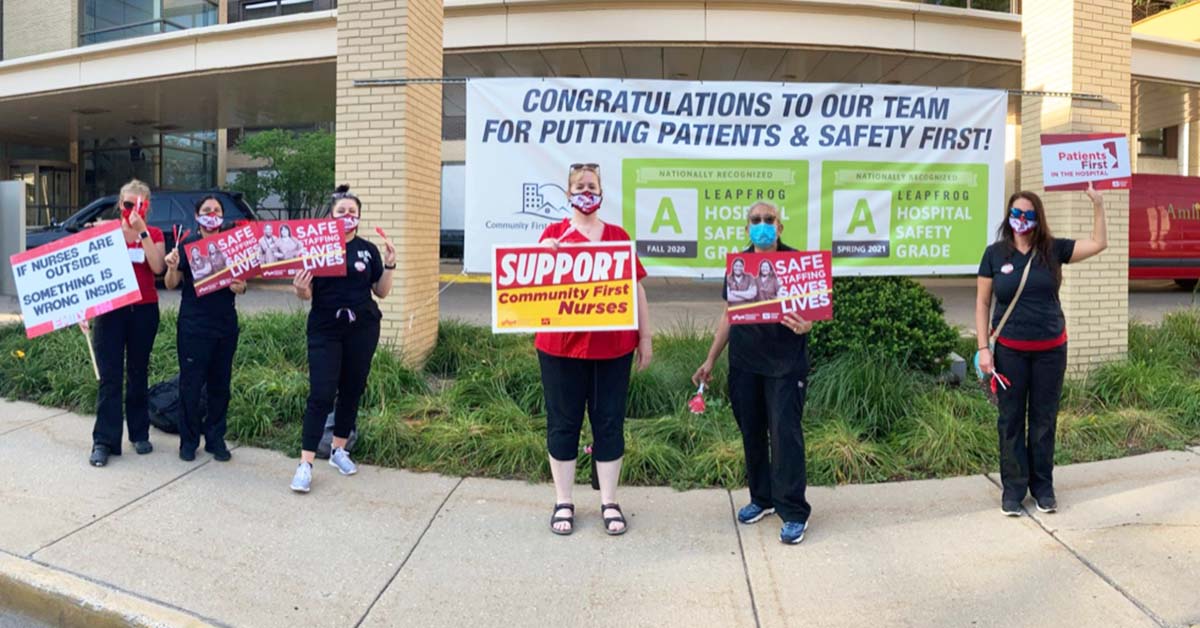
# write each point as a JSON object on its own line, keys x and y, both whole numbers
{"x": 1030, "y": 335}
{"x": 343, "y": 331}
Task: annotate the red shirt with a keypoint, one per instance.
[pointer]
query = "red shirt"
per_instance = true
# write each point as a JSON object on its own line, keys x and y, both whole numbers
{"x": 141, "y": 270}
{"x": 588, "y": 345}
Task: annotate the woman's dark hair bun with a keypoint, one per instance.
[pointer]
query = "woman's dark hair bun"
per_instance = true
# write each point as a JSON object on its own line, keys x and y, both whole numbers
{"x": 342, "y": 189}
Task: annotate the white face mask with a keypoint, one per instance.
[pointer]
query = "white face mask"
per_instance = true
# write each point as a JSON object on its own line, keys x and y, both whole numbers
{"x": 210, "y": 221}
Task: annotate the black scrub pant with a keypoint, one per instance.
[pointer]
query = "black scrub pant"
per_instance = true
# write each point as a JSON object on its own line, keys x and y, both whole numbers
{"x": 769, "y": 412}
{"x": 204, "y": 364}
{"x": 571, "y": 385}
{"x": 1027, "y": 460}
{"x": 339, "y": 361}
{"x": 123, "y": 339}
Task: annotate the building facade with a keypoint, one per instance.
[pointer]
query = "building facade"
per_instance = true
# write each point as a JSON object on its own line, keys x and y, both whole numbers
{"x": 93, "y": 92}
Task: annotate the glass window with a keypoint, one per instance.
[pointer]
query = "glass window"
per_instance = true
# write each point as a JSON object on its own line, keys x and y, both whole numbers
{"x": 1159, "y": 143}
{"x": 113, "y": 20}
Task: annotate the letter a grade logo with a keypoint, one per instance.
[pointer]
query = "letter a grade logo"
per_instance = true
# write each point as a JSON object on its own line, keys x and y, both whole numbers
{"x": 862, "y": 215}
{"x": 667, "y": 214}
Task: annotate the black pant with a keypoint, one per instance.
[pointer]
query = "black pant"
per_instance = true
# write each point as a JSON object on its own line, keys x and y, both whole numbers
{"x": 1027, "y": 462}
{"x": 769, "y": 412}
{"x": 572, "y": 384}
{"x": 204, "y": 364}
{"x": 339, "y": 361}
{"x": 123, "y": 339}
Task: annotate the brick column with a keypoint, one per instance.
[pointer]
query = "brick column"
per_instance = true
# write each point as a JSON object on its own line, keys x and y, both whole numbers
{"x": 1081, "y": 46}
{"x": 389, "y": 150}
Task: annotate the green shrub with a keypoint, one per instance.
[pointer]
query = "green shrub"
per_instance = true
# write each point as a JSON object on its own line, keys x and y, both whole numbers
{"x": 949, "y": 432}
{"x": 838, "y": 452}
{"x": 891, "y": 316}
{"x": 872, "y": 393}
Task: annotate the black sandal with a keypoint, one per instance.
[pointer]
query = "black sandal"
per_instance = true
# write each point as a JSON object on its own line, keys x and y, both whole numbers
{"x": 610, "y": 520}
{"x": 555, "y": 518}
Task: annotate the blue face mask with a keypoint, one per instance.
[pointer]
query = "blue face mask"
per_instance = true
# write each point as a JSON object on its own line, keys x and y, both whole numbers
{"x": 762, "y": 235}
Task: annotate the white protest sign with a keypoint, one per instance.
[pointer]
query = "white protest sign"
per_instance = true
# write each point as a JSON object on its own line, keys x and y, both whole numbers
{"x": 74, "y": 279}
{"x": 1069, "y": 162}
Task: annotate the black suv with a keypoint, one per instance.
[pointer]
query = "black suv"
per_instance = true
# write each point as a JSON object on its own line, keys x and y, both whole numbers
{"x": 167, "y": 209}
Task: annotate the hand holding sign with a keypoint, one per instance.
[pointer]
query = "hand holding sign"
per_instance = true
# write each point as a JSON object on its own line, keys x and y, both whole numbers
{"x": 797, "y": 324}
{"x": 302, "y": 284}
{"x": 1094, "y": 194}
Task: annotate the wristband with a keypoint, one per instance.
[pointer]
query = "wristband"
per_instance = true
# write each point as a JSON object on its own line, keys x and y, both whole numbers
{"x": 985, "y": 348}
{"x": 392, "y": 267}
{"x": 143, "y": 235}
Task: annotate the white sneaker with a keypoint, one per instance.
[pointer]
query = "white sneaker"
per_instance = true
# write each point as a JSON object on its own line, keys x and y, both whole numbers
{"x": 341, "y": 460}
{"x": 302, "y": 481}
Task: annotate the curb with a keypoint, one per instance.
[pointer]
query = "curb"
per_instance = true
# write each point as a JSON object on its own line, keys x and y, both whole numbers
{"x": 61, "y": 599}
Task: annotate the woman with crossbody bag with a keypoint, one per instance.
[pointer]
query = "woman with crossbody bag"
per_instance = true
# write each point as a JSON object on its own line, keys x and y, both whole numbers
{"x": 1026, "y": 355}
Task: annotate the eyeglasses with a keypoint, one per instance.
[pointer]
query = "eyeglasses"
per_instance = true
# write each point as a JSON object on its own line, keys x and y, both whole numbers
{"x": 592, "y": 167}
{"x": 754, "y": 220}
{"x": 1016, "y": 213}
{"x": 128, "y": 205}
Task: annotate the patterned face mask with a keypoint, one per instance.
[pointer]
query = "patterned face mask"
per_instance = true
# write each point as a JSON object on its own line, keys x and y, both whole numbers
{"x": 210, "y": 221}
{"x": 350, "y": 222}
{"x": 1022, "y": 225}
{"x": 586, "y": 202}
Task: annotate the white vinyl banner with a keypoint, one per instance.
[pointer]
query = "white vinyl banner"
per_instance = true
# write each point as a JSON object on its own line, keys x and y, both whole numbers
{"x": 894, "y": 180}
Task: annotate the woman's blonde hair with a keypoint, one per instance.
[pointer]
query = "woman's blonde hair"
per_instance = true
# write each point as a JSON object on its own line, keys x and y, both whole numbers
{"x": 136, "y": 187}
{"x": 578, "y": 172}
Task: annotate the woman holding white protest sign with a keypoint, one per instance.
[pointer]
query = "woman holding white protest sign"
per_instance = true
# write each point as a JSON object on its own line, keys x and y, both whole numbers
{"x": 589, "y": 370}
{"x": 206, "y": 340}
{"x": 768, "y": 378}
{"x": 343, "y": 332}
{"x": 124, "y": 337}
{"x": 1026, "y": 365}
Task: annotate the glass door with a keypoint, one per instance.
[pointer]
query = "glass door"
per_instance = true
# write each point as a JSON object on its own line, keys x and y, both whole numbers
{"x": 47, "y": 191}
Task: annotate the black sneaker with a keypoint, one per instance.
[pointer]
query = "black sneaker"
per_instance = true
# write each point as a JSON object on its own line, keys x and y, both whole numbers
{"x": 1011, "y": 508}
{"x": 220, "y": 452}
{"x": 99, "y": 456}
{"x": 1046, "y": 504}
{"x": 143, "y": 447}
{"x": 187, "y": 455}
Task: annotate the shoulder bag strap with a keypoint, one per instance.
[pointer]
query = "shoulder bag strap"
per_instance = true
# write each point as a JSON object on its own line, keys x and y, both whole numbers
{"x": 1012, "y": 304}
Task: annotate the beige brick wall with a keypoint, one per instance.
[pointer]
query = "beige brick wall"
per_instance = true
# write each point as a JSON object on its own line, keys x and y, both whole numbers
{"x": 1092, "y": 56}
{"x": 35, "y": 26}
{"x": 389, "y": 150}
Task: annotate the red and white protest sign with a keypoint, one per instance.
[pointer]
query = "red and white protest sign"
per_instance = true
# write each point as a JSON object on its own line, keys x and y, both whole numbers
{"x": 73, "y": 279}
{"x": 763, "y": 287}
{"x": 1069, "y": 162}
{"x": 576, "y": 287}
{"x": 287, "y": 247}
{"x": 216, "y": 261}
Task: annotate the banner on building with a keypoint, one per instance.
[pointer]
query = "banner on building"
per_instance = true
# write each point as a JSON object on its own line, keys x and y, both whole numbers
{"x": 891, "y": 179}
{"x": 1070, "y": 162}
{"x": 576, "y": 287}
{"x": 763, "y": 287}
{"x": 73, "y": 279}
{"x": 217, "y": 261}
{"x": 287, "y": 247}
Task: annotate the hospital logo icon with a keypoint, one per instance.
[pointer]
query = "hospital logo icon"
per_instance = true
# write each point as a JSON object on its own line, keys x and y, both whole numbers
{"x": 547, "y": 201}
{"x": 667, "y": 222}
{"x": 862, "y": 221}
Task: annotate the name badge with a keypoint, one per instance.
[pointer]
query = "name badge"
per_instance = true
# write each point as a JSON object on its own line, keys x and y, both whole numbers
{"x": 138, "y": 255}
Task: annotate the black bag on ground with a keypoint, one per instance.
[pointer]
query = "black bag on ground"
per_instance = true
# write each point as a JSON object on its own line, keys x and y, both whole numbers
{"x": 326, "y": 446}
{"x": 166, "y": 411}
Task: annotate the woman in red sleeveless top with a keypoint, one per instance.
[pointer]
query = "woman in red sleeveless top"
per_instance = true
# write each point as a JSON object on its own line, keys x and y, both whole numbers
{"x": 589, "y": 370}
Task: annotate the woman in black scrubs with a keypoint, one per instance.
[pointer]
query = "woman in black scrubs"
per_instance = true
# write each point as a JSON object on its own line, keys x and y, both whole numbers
{"x": 206, "y": 338}
{"x": 1031, "y": 350}
{"x": 343, "y": 331}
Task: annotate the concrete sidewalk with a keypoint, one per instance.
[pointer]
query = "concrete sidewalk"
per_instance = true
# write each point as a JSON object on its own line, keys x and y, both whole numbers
{"x": 229, "y": 544}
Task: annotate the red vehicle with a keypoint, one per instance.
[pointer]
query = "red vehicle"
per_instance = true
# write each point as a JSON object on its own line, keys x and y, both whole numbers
{"x": 1164, "y": 228}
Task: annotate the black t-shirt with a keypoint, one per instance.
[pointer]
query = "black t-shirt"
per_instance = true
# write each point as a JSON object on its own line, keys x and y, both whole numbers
{"x": 769, "y": 349}
{"x": 1038, "y": 314}
{"x": 364, "y": 267}
{"x": 210, "y": 316}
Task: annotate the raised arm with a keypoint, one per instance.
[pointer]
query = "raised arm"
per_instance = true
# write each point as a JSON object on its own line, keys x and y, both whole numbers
{"x": 1099, "y": 237}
